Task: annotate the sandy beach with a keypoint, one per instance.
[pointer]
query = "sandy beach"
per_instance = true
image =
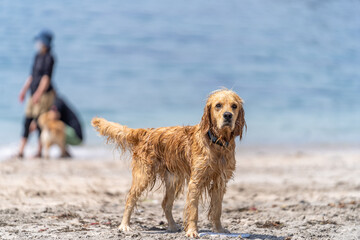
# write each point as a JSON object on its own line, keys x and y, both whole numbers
{"x": 155, "y": 64}
{"x": 277, "y": 193}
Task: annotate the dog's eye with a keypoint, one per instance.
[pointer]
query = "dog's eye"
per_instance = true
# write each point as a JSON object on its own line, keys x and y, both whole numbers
{"x": 234, "y": 106}
{"x": 218, "y": 105}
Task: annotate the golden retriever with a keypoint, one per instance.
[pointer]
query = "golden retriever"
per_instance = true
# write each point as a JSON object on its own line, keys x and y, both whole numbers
{"x": 202, "y": 156}
{"x": 52, "y": 132}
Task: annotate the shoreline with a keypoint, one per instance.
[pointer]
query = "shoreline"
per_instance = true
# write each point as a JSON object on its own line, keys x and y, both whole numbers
{"x": 94, "y": 151}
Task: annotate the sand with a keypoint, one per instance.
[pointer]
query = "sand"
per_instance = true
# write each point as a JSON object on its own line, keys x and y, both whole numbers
{"x": 277, "y": 193}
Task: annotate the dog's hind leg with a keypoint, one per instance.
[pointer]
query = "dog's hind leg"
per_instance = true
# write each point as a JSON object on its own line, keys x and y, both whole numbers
{"x": 140, "y": 182}
{"x": 62, "y": 145}
{"x": 168, "y": 201}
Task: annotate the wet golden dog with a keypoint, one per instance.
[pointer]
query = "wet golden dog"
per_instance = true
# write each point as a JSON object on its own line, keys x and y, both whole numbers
{"x": 201, "y": 156}
{"x": 52, "y": 133}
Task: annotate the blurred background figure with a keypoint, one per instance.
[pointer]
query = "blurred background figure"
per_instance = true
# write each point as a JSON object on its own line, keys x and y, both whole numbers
{"x": 40, "y": 87}
{"x": 59, "y": 126}
{"x": 73, "y": 131}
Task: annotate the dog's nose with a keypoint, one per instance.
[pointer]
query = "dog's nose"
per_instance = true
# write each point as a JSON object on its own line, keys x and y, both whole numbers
{"x": 227, "y": 116}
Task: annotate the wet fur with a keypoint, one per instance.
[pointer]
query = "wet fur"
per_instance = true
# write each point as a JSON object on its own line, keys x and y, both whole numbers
{"x": 182, "y": 155}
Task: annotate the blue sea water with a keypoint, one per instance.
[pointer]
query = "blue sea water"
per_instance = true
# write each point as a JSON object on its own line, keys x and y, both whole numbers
{"x": 152, "y": 63}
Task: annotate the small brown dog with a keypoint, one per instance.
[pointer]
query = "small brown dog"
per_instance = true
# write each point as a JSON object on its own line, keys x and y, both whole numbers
{"x": 52, "y": 132}
{"x": 202, "y": 156}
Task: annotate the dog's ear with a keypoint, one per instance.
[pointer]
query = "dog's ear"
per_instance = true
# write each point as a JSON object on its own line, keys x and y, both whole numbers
{"x": 240, "y": 123}
{"x": 205, "y": 123}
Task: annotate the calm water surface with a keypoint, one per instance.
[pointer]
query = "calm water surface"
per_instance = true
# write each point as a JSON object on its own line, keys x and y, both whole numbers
{"x": 152, "y": 63}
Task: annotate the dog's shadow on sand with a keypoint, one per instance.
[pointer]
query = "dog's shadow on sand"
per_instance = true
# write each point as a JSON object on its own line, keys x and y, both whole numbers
{"x": 155, "y": 230}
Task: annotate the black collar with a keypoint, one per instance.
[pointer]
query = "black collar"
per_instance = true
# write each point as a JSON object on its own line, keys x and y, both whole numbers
{"x": 215, "y": 140}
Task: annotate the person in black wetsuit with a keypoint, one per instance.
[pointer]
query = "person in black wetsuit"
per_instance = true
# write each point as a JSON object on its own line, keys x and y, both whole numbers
{"x": 63, "y": 112}
{"x": 40, "y": 87}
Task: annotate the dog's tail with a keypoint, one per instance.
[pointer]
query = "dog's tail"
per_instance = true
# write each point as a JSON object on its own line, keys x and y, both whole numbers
{"x": 123, "y": 136}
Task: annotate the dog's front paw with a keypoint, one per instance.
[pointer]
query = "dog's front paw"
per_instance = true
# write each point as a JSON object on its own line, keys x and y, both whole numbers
{"x": 192, "y": 233}
{"x": 124, "y": 228}
{"x": 173, "y": 228}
